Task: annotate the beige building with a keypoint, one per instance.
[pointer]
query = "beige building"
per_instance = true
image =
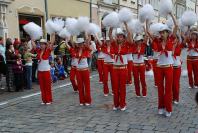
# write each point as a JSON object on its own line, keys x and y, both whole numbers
{"x": 19, "y": 12}
{"x": 15, "y": 13}
{"x": 68, "y": 8}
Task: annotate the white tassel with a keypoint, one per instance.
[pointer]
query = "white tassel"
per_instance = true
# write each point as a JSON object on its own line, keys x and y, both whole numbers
{"x": 59, "y": 24}
{"x": 136, "y": 26}
{"x": 166, "y": 7}
{"x": 170, "y": 22}
{"x": 189, "y": 18}
{"x": 111, "y": 20}
{"x": 50, "y": 26}
{"x": 155, "y": 28}
{"x": 184, "y": 73}
{"x": 64, "y": 33}
{"x": 82, "y": 23}
{"x": 93, "y": 29}
{"x": 182, "y": 27}
{"x": 33, "y": 30}
{"x": 146, "y": 13}
{"x": 71, "y": 25}
{"x": 149, "y": 73}
{"x": 125, "y": 15}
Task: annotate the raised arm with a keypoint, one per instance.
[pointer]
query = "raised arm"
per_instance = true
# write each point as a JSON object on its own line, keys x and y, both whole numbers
{"x": 110, "y": 34}
{"x": 148, "y": 32}
{"x": 66, "y": 43}
{"x": 98, "y": 40}
{"x": 52, "y": 41}
{"x": 175, "y": 24}
{"x": 129, "y": 33}
{"x": 87, "y": 39}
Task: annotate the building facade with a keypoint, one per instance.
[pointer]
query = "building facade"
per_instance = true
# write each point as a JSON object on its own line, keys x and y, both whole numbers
{"x": 15, "y": 13}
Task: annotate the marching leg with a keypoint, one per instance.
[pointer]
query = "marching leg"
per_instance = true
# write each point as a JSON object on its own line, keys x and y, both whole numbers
{"x": 142, "y": 80}
{"x": 189, "y": 68}
{"x": 136, "y": 80}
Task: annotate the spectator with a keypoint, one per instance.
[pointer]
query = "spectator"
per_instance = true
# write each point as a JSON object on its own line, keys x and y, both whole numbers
{"x": 2, "y": 59}
{"x": 18, "y": 74}
{"x": 34, "y": 64}
{"x": 61, "y": 51}
{"x": 52, "y": 72}
{"x": 61, "y": 71}
{"x": 93, "y": 50}
{"x": 10, "y": 61}
{"x": 28, "y": 67}
{"x": 16, "y": 46}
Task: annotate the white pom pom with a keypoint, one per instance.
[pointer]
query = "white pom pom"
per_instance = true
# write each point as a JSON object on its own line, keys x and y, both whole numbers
{"x": 155, "y": 28}
{"x": 166, "y": 7}
{"x": 111, "y": 20}
{"x": 146, "y": 13}
{"x": 189, "y": 18}
{"x": 93, "y": 29}
{"x": 59, "y": 23}
{"x": 136, "y": 26}
{"x": 71, "y": 25}
{"x": 33, "y": 30}
{"x": 181, "y": 26}
{"x": 64, "y": 33}
{"x": 170, "y": 22}
{"x": 50, "y": 26}
{"x": 83, "y": 23}
{"x": 125, "y": 15}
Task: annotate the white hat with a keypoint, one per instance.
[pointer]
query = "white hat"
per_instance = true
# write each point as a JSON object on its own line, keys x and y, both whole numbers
{"x": 195, "y": 32}
{"x": 43, "y": 41}
{"x": 164, "y": 27}
{"x": 138, "y": 37}
{"x": 80, "y": 40}
{"x": 119, "y": 31}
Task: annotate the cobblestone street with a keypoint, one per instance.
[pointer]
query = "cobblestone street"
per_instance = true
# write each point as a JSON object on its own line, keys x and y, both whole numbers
{"x": 25, "y": 113}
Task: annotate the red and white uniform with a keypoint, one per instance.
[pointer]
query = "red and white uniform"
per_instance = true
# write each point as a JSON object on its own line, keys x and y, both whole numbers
{"x": 130, "y": 64}
{"x": 165, "y": 74}
{"x": 139, "y": 68}
{"x": 176, "y": 71}
{"x": 108, "y": 67}
{"x": 100, "y": 61}
{"x": 44, "y": 76}
{"x": 83, "y": 79}
{"x": 156, "y": 54}
{"x": 120, "y": 74}
{"x": 74, "y": 63}
{"x": 192, "y": 63}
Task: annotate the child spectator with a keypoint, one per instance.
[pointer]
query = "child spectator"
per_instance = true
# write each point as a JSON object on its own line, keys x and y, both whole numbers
{"x": 28, "y": 67}
{"x": 61, "y": 70}
{"x": 18, "y": 74}
{"x": 52, "y": 72}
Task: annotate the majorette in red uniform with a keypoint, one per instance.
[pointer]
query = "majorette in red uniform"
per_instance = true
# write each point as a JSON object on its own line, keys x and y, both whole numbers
{"x": 83, "y": 79}
{"x": 108, "y": 64}
{"x": 165, "y": 68}
{"x": 119, "y": 45}
{"x": 130, "y": 64}
{"x": 44, "y": 77}
{"x": 155, "y": 59}
{"x": 192, "y": 59}
{"x": 177, "y": 48}
{"x": 74, "y": 63}
{"x": 100, "y": 60}
{"x": 139, "y": 47}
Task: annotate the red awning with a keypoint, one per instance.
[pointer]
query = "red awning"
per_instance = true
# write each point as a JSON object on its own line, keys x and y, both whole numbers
{"x": 23, "y": 21}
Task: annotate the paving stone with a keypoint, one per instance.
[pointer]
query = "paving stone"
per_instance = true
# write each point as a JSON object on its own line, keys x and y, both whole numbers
{"x": 65, "y": 115}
